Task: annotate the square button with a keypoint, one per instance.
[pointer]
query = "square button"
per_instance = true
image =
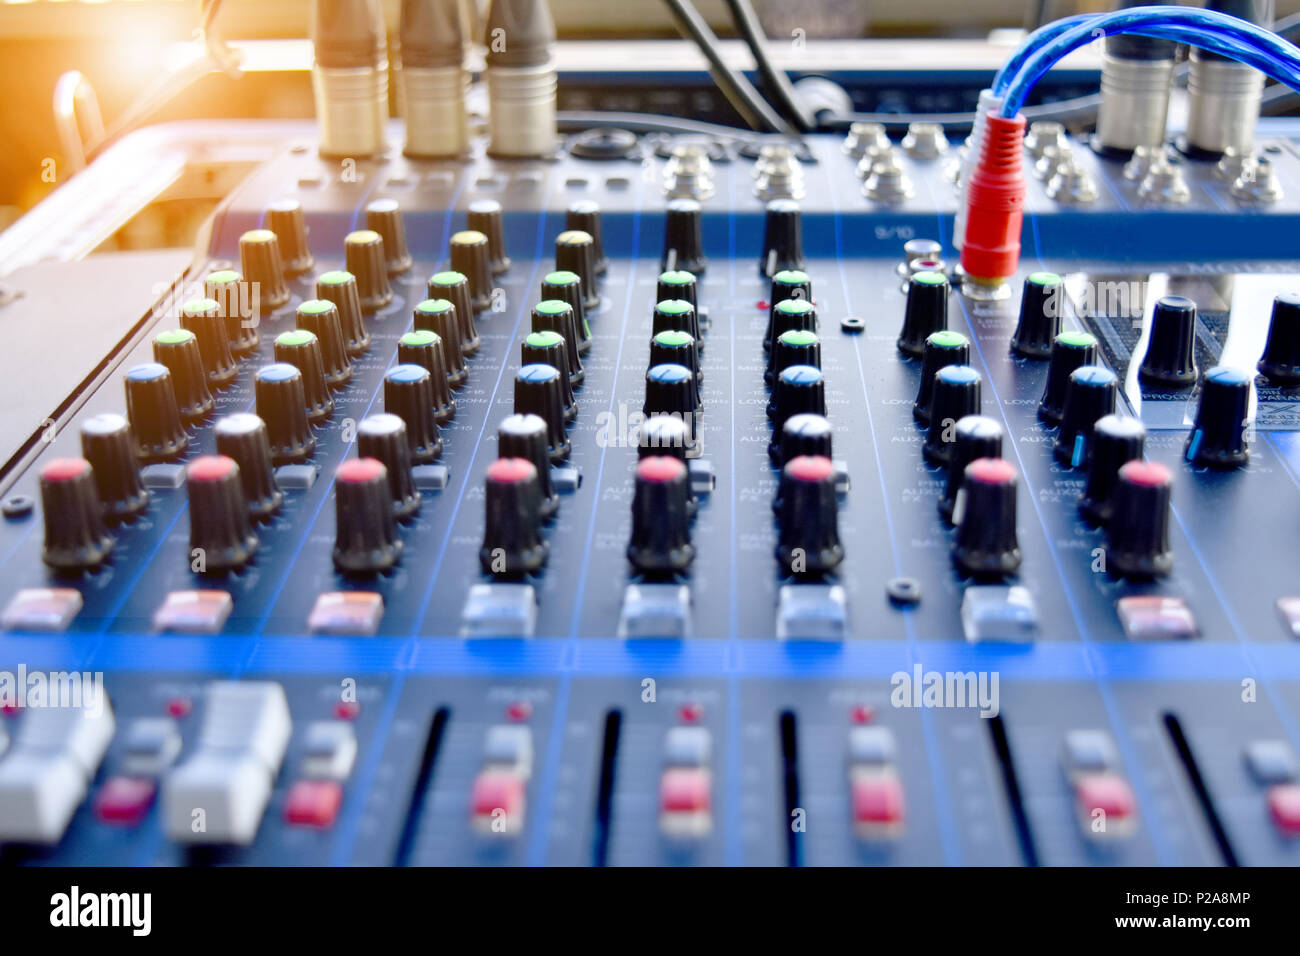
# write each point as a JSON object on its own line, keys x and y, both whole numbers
{"x": 331, "y": 750}
{"x": 124, "y": 801}
{"x": 510, "y": 746}
{"x": 1156, "y": 618}
{"x": 1105, "y": 804}
{"x": 688, "y": 746}
{"x": 42, "y": 609}
{"x": 193, "y": 612}
{"x": 1289, "y": 609}
{"x": 812, "y": 612}
{"x": 152, "y": 745}
{"x": 499, "y": 611}
{"x": 1271, "y": 761}
{"x": 1089, "y": 751}
{"x": 685, "y": 790}
{"x": 347, "y": 613}
{"x": 877, "y": 803}
{"x": 871, "y": 745}
{"x": 497, "y": 802}
{"x": 995, "y": 612}
{"x": 313, "y": 803}
{"x": 1284, "y": 807}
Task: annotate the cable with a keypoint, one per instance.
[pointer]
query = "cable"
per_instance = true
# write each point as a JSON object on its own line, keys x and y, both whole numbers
{"x": 775, "y": 81}
{"x": 753, "y": 109}
{"x": 578, "y": 120}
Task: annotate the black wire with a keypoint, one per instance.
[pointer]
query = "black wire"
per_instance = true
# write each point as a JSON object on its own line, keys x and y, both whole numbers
{"x": 775, "y": 82}
{"x": 753, "y": 109}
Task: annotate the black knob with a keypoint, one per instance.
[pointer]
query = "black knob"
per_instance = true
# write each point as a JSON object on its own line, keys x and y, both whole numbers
{"x": 243, "y": 438}
{"x": 683, "y": 239}
{"x": 238, "y": 308}
{"x": 384, "y": 437}
{"x": 678, "y": 284}
{"x": 301, "y": 349}
{"x": 1041, "y": 305}
{"x": 262, "y": 267}
{"x": 798, "y": 389}
{"x": 549, "y": 348}
{"x": 793, "y": 347}
{"x": 282, "y": 404}
{"x": 178, "y": 349}
{"x": 673, "y": 347}
{"x": 539, "y": 391}
{"x": 512, "y": 532}
{"x": 155, "y": 416}
{"x": 1280, "y": 362}
{"x": 661, "y": 517}
{"x": 809, "y": 538}
{"x": 203, "y": 318}
{"x": 320, "y": 317}
{"x": 575, "y": 251}
{"x": 556, "y": 315}
{"x": 526, "y": 436}
{"x": 672, "y": 390}
{"x": 941, "y": 348}
{"x": 221, "y": 534}
{"x": 342, "y": 289}
{"x": 75, "y": 535}
{"x": 485, "y": 217}
{"x": 1219, "y": 437}
{"x": 791, "y": 284}
{"x": 583, "y": 215}
{"x": 985, "y": 515}
{"x": 1090, "y": 394}
{"x": 471, "y": 257}
{"x": 427, "y": 349}
{"x": 109, "y": 446}
{"x": 408, "y": 394}
{"x": 567, "y": 287}
{"x": 365, "y": 258}
{"x": 1137, "y": 533}
{"x": 1115, "y": 442}
{"x": 1070, "y": 350}
{"x": 439, "y": 317}
{"x": 974, "y": 437}
{"x": 956, "y": 395}
{"x": 782, "y": 238}
{"x": 667, "y": 435}
{"x": 286, "y": 220}
{"x": 384, "y": 216}
{"x": 804, "y": 434}
{"x": 676, "y": 315}
{"x": 455, "y": 288}
{"x": 926, "y": 311}
{"x": 1168, "y": 362}
{"x": 365, "y": 527}
{"x": 791, "y": 315}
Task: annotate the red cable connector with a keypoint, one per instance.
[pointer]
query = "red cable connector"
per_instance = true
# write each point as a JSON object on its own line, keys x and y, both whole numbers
{"x": 995, "y": 203}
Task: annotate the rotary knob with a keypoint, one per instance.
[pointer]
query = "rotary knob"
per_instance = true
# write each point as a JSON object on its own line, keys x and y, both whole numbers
{"x": 790, "y": 284}
{"x": 556, "y": 315}
{"x": 282, "y": 405}
{"x": 676, "y": 315}
{"x": 301, "y": 349}
{"x": 1041, "y": 306}
{"x": 262, "y": 267}
{"x": 1070, "y": 350}
{"x": 974, "y": 437}
{"x": 1280, "y": 363}
{"x": 683, "y": 238}
{"x": 1137, "y": 534}
{"x": 75, "y": 535}
{"x": 941, "y": 349}
{"x": 803, "y": 435}
{"x": 203, "y": 318}
{"x": 178, "y": 349}
{"x": 512, "y": 534}
{"x": 956, "y": 395}
{"x": 385, "y": 217}
{"x": 155, "y": 416}
{"x": 1168, "y": 362}
{"x": 926, "y": 311}
{"x": 342, "y": 289}
{"x": 1090, "y": 394}
{"x": 664, "y": 435}
{"x": 365, "y": 528}
{"x": 539, "y": 391}
{"x": 454, "y": 287}
{"x": 286, "y": 220}
{"x": 584, "y": 216}
{"x": 567, "y": 287}
{"x": 485, "y": 216}
{"x": 426, "y": 349}
{"x": 384, "y": 438}
{"x": 526, "y": 436}
{"x": 986, "y": 544}
{"x": 471, "y": 256}
{"x": 809, "y": 537}
{"x": 240, "y": 312}
{"x": 793, "y": 347}
{"x": 790, "y": 315}
{"x": 673, "y": 390}
{"x": 575, "y": 251}
{"x": 673, "y": 347}
{"x": 798, "y": 390}
{"x": 439, "y": 317}
{"x": 661, "y": 520}
{"x": 221, "y": 534}
{"x": 243, "y": 439}
{"x": 108, "y": 445}
{"x": 678, "y": 284}
{"x": 1116, "y": 441}
{"x": 320, "y": 317}
{"x": 408, "y": 394}
{"x": 549, "y": 348}
{"x": 782, "y": 238}
{"x": 365, "y": 258}
{"x": 1219, "y": 437}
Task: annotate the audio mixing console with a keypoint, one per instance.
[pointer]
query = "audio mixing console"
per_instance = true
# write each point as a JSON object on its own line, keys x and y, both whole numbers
{"x": 675, "y": 500}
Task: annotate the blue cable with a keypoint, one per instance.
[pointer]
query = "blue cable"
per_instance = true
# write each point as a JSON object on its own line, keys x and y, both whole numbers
{"x": 1031, "y": 43}
{"x": 1218, "y": 32}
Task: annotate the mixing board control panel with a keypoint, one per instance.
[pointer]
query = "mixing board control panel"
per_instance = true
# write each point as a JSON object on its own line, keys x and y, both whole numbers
{"x": 676, "y": 503}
